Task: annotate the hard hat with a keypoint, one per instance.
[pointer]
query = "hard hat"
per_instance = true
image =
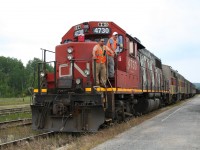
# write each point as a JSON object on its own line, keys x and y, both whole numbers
{"x": 114, "y": 33}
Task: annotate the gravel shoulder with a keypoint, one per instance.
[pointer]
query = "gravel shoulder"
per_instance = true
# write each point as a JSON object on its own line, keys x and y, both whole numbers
{"x": 174, "y": 129}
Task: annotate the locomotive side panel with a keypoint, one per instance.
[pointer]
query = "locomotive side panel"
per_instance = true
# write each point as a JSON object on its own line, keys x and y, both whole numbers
{"x": 130, "y": 77}
{"x": 151, "y": 70}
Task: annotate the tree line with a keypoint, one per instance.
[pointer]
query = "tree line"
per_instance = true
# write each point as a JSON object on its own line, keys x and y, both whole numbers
{"x": 15, "y": 78}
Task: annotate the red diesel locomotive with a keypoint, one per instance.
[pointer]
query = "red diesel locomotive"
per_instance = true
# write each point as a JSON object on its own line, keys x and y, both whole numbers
{"x": 68, "y": 100}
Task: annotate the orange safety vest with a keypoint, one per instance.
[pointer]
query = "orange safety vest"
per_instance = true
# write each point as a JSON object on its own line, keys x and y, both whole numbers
{"x": 101, "y": 58}
{"x": 110, "y": 46}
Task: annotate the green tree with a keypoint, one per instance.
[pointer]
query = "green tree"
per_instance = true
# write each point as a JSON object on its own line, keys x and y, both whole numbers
{"x": 31, "y": 72}
{"x": 11, "y": 77}
{"x": 15, "y": 79}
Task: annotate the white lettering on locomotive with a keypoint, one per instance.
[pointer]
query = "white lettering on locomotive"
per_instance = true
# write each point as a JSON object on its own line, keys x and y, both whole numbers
{"x": 101, "y": 30}
{"x": 77, "y": 27}
{"x": 65, "y": 70}
{"x": 80, "y": 70}
{"x": 103, "y": 24}
{"x": 68, "y": 69}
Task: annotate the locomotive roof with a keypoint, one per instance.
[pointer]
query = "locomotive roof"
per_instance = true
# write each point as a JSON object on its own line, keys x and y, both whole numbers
{"x": 140, "y": 46}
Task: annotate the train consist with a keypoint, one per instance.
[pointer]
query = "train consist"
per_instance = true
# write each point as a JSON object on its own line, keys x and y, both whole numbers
{"x": 67, "y": 100}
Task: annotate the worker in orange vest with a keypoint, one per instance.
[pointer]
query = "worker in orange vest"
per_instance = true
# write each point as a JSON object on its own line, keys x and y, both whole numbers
{"x": 99, "y": 54}
{"x": 112, "y": 44}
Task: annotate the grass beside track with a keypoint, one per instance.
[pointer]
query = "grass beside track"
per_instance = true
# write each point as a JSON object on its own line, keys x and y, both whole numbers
{"x": 15, "y": 116}
{"x": 14, "y": 101}
{"x": 14, "y": 133}
{"x": 8, "y": 103}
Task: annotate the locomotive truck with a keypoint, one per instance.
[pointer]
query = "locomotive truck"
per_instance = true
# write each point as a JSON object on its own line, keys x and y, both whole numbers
{"x": 67, "y": 99}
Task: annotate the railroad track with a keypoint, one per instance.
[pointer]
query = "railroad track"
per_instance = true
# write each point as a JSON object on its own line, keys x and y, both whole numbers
{"x": 19, "y": 122}
{"x": 14, "y": 111}
{"x": 30, "y": 138}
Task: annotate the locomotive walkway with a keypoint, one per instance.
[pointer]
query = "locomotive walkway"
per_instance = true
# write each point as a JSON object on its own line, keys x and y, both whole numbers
{"x": 175, "y": 129}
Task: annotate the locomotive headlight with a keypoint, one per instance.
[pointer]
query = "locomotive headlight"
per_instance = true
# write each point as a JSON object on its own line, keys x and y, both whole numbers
{"x": 70, "y": 50}
{"x": 42, "y": 74}
{"x": 78, "y": 81}
{"x": 70, "y": 56}
{"x": 87, "y": 72}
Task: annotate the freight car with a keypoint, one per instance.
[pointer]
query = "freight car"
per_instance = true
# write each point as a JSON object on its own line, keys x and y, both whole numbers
{"x": 179, "y": 88}
{"x": 68, "y": 100}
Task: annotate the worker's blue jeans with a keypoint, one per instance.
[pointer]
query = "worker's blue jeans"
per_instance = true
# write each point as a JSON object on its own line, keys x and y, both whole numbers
{"x": 111, "y": 65}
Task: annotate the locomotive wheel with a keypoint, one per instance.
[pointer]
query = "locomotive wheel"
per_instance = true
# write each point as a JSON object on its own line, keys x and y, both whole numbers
{"x": 119, "y": 112}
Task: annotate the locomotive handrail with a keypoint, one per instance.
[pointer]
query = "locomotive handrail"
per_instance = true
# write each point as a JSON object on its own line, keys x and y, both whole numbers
{"x": 107, "y": 75}
{"x": 85, "y": 60}
{"x": 47, "y": 50}
{"x": 110, "y": 83}
{"x": 94, "y": 71}
{"x": 46, "y": 62}
{"x": 44, "y": 70}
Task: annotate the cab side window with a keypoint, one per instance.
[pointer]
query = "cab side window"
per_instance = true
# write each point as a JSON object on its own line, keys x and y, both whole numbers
{"x": 120, "y": 46}
{"x": 133, "y": 48}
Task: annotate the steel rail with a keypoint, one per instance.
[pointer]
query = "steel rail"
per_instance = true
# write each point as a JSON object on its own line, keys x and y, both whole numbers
{"x": 14, "y": 110}
{"x": 19, "y": 122}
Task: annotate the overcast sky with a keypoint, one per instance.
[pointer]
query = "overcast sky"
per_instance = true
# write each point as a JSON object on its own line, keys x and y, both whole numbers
{"x": 168, "y": 28}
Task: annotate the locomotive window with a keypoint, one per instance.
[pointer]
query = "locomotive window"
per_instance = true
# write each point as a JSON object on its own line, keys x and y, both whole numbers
{"x": 158, "y": 63}
{"x": 133, "y": 49}
{"x": 67, "y": 41}
{"x": 78, "y": 32}
{"x": 119, "y": 44}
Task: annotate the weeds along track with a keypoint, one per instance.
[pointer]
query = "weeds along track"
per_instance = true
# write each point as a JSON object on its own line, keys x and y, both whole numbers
{"x": 30, "y": 138}
{"x": 15, "y": 123}
{"x": 23, "y": 138}
{"x": 14, "y": 111}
